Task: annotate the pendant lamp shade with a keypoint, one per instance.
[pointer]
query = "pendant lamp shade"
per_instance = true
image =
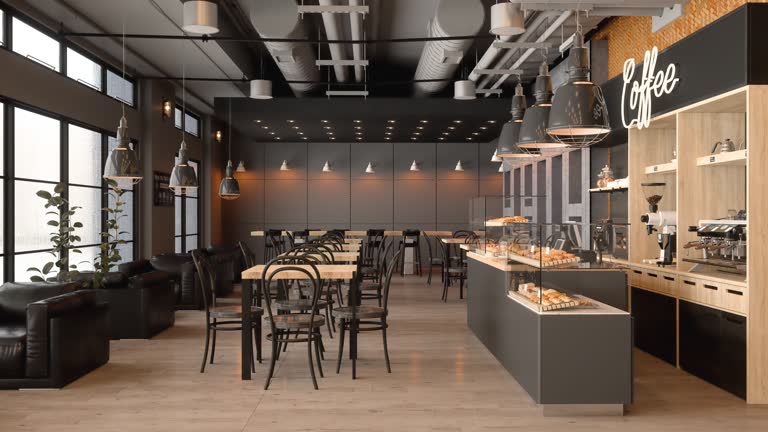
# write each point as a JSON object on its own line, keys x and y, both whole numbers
{"x": 533, "y": 132}
{"x": 240, "y": 167}
{"x": 579, "y": 115}
{"x": 464, "y": 90}
{"x": 507, "y": 19}
{"x": 459, "y": 167}
{"x": 122, "y": 163}
{"x": 284, "y": 165}
{"x": 327, "y": 167}
{"x": 501, "y": 167}
{"x": 183, "y": 175}
{"x": 415, "y": 166}
{"x": 510, "y": 132}
{"x": 229, "y": 188}
{"x": 201, "y": 17}
{"x": 369, "y": 169}
{"x": 261, "y": 89}
{"x": 495, "y": 157}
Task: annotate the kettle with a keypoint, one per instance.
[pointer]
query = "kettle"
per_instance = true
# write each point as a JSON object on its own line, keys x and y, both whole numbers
{"x": 724, "y": 147}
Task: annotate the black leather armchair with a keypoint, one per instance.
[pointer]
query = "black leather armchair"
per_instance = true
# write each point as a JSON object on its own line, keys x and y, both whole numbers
{"x": 141, "y": 304}
{"x": 50, "y": 334}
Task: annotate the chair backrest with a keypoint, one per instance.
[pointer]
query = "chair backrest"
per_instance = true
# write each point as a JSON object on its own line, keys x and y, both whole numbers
{"x": 298, "y": 264}
{"x": 374, "y": 238}
{"x": 462, "y": 233}
{"x": 428, "y": 241}
{"x": 387, "y": 280}
{"x": 207, "y": 278}
{"x": 381, "y": 265}
{"x": 248, "y": 256}
{"x": 323, "y": 254}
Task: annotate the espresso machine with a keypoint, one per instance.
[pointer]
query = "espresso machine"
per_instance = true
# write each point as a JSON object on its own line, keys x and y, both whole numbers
{"x": 663, "y": 223}
{"x": 723, "y": 244}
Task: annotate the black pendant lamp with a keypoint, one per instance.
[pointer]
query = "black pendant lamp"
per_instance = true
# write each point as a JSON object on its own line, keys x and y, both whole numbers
{"x": 183, "y": 176}
{"x": 229, "y": 189}
{"x": 579, "y": 116}
{"x": 510, "y": 132}
{"x": 122, "y": 162}
{"x": 533, "y": 132}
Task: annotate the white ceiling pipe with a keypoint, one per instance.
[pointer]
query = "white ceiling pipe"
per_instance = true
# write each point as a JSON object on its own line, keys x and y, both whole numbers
{"x": 279, "y": 19}
{"x": 544, "y": 36}
{"x": 356, "y": 26}
{"x": 452, "y": 18}
{"x": 332, "y": 24}
{"x": 491, "y": 54}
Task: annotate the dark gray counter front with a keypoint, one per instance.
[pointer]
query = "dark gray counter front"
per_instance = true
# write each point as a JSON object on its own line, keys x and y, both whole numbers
{"x": 558, "y": 358}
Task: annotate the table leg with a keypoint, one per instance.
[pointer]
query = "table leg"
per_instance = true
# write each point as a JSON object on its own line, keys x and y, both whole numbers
{"x": 354, "y": 325}
{"x": 246, "y": 297}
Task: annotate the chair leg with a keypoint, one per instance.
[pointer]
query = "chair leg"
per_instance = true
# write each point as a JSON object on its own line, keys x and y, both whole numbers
{"x": 386, "y": 349}
{"x": 273, "y": 359}
{"x": 207, "y": 342}
{"x": 378, "y": 295}
{"x": 213, "y": 344}
{"x": 342, "y": 330}
{"x": 257, "y": 339}
{"x": 311, "y": 362}
{"x": 317, "y": 344}
{"x": 461, "y": 287}
{"x": 429, "y": 276}
{"x": 328, "y": 320}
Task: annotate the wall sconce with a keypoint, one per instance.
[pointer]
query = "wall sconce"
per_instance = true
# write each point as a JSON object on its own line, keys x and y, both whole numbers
{"x": 415, "y": 166}
{"x": 167, "y": 108}
{"x": 327, "y": 167}
{"x": 459, "y": 167}
{"x": 369, "y": 169}
{"x": 240, "y": 167}
{"x": 218, "y": 136}
{"x": 284, "y": 165}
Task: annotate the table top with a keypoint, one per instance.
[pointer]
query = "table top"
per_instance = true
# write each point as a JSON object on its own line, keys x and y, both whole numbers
{"x": 339, "y": 256}
{"x": 327, "y": 271}
{"x": 453, "y": 240}
{"x": 354, "y": 235}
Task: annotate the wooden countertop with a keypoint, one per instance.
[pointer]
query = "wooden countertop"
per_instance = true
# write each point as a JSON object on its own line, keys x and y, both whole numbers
{"x": 327, "y": 271}
{"x": 721, "y": 277}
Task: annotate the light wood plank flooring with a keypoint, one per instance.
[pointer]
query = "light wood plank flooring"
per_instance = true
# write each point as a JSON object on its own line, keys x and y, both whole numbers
{"x": 443, "y": 380}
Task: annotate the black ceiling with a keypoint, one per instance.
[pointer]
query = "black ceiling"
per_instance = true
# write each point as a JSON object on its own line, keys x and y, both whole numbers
{"x": 415, "y": 120}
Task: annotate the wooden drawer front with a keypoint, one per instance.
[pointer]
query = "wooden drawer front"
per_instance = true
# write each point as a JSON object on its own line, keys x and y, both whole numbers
{"x": 733, "y": 298}
{"x": 690, "y": 288}
{"x": 636, "y": 278}
{"x": 668, "y": 283}
{"x": 652, "y": 280}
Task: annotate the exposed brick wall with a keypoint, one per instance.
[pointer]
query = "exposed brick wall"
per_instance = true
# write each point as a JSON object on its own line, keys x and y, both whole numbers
{"x": 630, "y": 37}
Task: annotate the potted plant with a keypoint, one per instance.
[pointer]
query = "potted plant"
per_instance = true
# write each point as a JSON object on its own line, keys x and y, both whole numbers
{"x": 109, "y": 254}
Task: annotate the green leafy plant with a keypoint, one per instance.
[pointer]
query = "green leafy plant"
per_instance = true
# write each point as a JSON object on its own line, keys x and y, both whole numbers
{"x": 109, "y": 254}
{"x": 62, "y": 238}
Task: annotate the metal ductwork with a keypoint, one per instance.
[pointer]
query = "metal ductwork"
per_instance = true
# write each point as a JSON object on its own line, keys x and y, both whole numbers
{"x": 438, "y": 59}
{"x": 280, "y": 19}
{"x": 356, "y": 32}
{"x": 333, "y": 31}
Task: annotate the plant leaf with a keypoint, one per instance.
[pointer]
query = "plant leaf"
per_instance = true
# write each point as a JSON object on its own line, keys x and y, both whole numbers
{"x": 47, "y": 267}
{"x": 36, "y": 279}
{"x": 43, "y": 194}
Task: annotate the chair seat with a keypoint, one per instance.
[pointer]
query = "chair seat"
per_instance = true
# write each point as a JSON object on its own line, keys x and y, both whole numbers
{"x": 371, "y": 287}
{"x": 437, "y": 261}
{"x": 297, "y": 321}
{"x": 359, "y": 312}
{"x": 457, "y": 270}
{"x": 298, "y": 304}
{"x": 234, "y": 312}
{"x": 369, "y": 271}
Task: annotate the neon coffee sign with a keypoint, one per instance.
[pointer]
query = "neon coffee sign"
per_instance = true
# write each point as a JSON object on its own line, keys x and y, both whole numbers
{"x": 651, "y": 84}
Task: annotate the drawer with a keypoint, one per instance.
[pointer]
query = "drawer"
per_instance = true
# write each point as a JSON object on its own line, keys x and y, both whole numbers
{"x": 733, "y": 298}
{"x": 716, "y": 294}
{"x": 652, "y": 280}
{"x": 689, "y": 288}
{"x": 635, "y": 277}
{"x": 668, "y": 283}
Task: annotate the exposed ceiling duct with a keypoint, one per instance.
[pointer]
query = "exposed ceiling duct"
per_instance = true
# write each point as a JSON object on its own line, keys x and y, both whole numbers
{"x": 333, "y": 31}
{"x": 356, "y": 29}
{"x": 452, "y": 18}
{"x": 280, "y": 19}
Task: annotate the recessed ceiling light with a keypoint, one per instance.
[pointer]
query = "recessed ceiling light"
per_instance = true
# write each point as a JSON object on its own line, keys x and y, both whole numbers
{"x": 277, "y": 138}
{"x": 304, "y": 138}
{"x": 290, "y": 121}
{"x": 265, "y": 127}
{"x": 446, "y": 133}
{"x": 357, "y": 121}
{"x": 420, "y": 127}
{"x": 329, "y": 133}
{"x": 358, "y": 127}
{"x": 414, "y": 138}
{"x": 423, "y": 121}
{"x": 332, "y": 138}
{"x": 417, "y": 133}
{"x": 323, "y": 121}
{"x": 469, "y": 138}
{"x": 271, "y": 133}
{"x": 483, "y": 127}
{"x": 390, "y": 127}
{"x": 327, "y": 127}
{"x": 451, "y": 127}
{"x": 391, "y": 121}
{"x": 257, "y": 121}
{"x": 301, "y": 133}
{"x": 387, "y": 133}
{"x": 358, "y": 133}
{"x": 475, "y": 133}
{"x": 359, "y": 138}
{"x": 296, "y": 127}
{"x": 441, "y": 139}
{"x": 491, "y": 121}
{"x": 387, "y": 138}
{"x": 457, "y": 121}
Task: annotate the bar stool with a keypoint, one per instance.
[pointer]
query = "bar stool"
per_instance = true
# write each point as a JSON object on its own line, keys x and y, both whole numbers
{"x": 410, "y": 241}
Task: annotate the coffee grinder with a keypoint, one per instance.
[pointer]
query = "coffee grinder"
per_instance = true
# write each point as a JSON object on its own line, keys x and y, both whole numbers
{"x": 663, "y": 223}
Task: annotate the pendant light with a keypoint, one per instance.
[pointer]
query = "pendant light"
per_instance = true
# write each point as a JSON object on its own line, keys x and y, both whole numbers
{"x": 327, "y": 167}
{"x": 459, "y": 167}
{"x": 229, "y": 188}
{"x": 122, "y": 162}
{"x": 579, "y": 115}
{"x": 183, "y": 176}
{"x": 501, "y": 167}
{"x": 261, "y": 88}
{"x": 507, "y": 146}
{"x": 369, "y": 169}
{"x": 533, "y": 132}
{"x": 507, "y": 19}
{"x": 284, "y": 165}
{"x": 464, "y": 90}
{"x": 415, "y": 166}
{"x": 495, "y": 157}
{"x": 240, "y": 167}
{"x": 200, "y": 17}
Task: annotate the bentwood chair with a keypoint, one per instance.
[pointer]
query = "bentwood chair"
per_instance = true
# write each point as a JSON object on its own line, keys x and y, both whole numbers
{"x": 434, "y": 261}
{"x": 304, "y": 325}
{"x": 319, "y": 255}
{"x": 367, "y": 318}
{"x": 221, "y": 318}
{"x": 273, "y": 241}
{"x": 453, "y": 271}
{"x": 373, "y": 290}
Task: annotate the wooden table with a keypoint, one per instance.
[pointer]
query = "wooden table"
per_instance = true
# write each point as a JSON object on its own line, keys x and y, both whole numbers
{"x": 450, "y": 241}
{"x": 254, "y": 274}
{"x": 338, "y": 256}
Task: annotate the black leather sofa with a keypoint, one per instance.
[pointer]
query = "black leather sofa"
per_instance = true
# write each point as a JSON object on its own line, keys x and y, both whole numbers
{"x": 50, "y": 334}
{"x": 141, "y": 304}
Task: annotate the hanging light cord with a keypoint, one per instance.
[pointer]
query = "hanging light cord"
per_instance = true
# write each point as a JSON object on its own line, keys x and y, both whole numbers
{"x": 230, "y": 132}
{"x": 123, "y": 54}
{"x": 183, "y": 100}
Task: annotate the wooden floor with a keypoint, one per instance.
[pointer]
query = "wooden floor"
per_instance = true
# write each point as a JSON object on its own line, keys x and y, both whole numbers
{"x": 443, "y": 379}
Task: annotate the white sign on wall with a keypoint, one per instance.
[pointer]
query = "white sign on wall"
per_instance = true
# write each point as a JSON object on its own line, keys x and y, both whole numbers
{"x": 650, "y": 84}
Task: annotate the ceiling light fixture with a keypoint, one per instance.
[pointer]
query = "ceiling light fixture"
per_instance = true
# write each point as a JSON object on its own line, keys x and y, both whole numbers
{"x": 200, "y": 17}
{"x": 167, "y": 108}
{"x": 579, "y": 115}
{"x": 457, "y": 121}
{"x": 495, "y": 157}
{"x": 229, "y": 189}
{"x": 284, "y": 165}
{"x": 183, "y": 176}
{"x": 452, "y": 127}
{"x": 446, "y": 133}
{"x": 510, "y": 132}
{"x": 464, "y": 90}
{"x": 507, "y": 19}
{"x": 357, "y": 121}
{"x": 533, "y": 132}
{"x": 323, "y": 121}
{"x": 240, "y": 167}
{"x": 501, "y": 167}
{"x": 290, "y": 121}
{"x": 391, "y": 121}
{"x": 369, "y": 169}
{"x": 423, "y": 121}
{"x": 327, "y": 167}
{"x": 261, "y": 89}
{"x": 415, "y": 166}
{"x": 122, "y": 162}
{"x": 459, "y": 166}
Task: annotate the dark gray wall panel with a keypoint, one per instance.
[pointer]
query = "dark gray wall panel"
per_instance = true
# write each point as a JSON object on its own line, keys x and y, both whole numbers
{"x": 294, "y": 153}
{"x": 328, "y": 203}
{"x": 414, "y": 201}
{"x": 249, "y": 208}
{"x": 252, "y": 155}
{"x": 491, "y": 186}
{"x": 337, "y": 155}
{"x": 378, "y": 154}
{"x": 448, "y": 154}
{"x": 453, "y": 200}
{"x": 372, "y": 201}
{"x": 285, "y": 201}
{"x": 487, "y": 169}
{"x": 422, "y": 153}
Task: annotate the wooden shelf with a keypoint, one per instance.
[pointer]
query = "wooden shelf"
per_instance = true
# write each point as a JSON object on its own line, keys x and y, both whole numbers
{"x": 604, "y": 190}
{"x": 734, "y": 158}
{"x": 665, "y": 168}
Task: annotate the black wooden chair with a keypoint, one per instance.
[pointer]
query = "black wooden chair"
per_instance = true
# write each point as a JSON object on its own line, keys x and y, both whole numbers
{"x": 221, "y": 318}
{"x": 453, "y": 270}
{"x": 434, "y": 261}
{"x": 367, "y": 318}
{"x": 372, "y": 290}
{"x": 303, "y": 325}
{"x": 273, "y": 244}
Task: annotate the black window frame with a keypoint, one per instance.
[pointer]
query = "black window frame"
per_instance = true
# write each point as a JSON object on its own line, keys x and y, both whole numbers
{"x": 184, "y": 114}
{"x": 184, "y": 197}
{"x": 9, "y": 177}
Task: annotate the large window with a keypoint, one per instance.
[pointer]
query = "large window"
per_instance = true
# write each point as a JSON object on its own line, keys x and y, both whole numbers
{"x": 119, "y": 88}
{"x": 35, "y": 45}
{"x": 2, "y": 28}
{"x": 191, "y": 122}
{"x": 83, "y": 70}
{"x": 187, "y": 209}
{"x": 47, "y": 151}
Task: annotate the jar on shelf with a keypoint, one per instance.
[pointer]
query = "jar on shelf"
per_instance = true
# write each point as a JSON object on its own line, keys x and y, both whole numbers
{"x": 600, "y": 180}
{"x": 607, "y": 176}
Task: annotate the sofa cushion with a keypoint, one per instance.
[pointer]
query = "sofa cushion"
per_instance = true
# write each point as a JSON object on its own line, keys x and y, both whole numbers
{"x": 13, "y": 340}
{"x": 113, "y": 280}
{"x": 170, "y": 263}
{"x": 14, "y": 297}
